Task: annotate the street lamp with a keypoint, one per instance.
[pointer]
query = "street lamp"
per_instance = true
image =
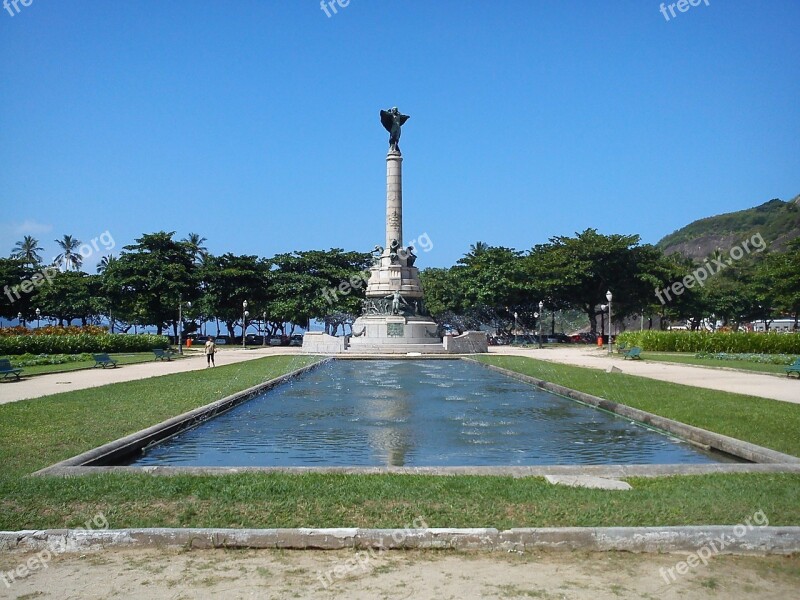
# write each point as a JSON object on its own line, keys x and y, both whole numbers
{"x": 516, "y": 327}
{"x": 180, "y": 324}
{"x": 38, "y": 316}
{"x": 19, "y": 318}
{"x": 245, "y": 314}
{"x": 609, "y": 296}
{"x": 539, "y": 322}
{"x": 264, "y": 331}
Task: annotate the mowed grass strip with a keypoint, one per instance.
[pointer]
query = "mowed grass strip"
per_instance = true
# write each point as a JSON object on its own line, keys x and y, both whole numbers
{"x": 769, "y": 423}
{"x": 39, "y": 432}
{"x": 127, "y": 358}
{"x": 691, "y": 359}
{"x": 253, "y": 500}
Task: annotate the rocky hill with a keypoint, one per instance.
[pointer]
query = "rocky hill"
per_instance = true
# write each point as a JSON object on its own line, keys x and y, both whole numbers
{"x": 777, "y": 221}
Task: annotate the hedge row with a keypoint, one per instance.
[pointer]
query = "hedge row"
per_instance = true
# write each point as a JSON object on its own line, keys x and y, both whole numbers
{"x": 76, "y": 344}
{"x": 53, "y": 330}
{"x": 702, "y": 341}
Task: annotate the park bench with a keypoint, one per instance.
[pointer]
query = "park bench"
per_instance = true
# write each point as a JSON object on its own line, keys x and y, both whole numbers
{"x": 621, "y": 347}
{"x": 162, "y": 354}
{"x": 6, "y": 369}
{"x": 103, "y": 360}
{"x": 793, "y": 368}
{"x": 634, "y": 353}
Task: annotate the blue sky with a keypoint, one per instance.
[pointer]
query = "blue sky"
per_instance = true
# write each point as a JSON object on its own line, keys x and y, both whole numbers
{"x": 255, "y": 122}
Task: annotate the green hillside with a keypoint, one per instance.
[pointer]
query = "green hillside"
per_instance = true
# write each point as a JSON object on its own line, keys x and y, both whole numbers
{"x": 777, "y": 221}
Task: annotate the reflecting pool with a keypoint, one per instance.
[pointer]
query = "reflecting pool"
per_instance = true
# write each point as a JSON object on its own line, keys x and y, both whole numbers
{"x": 416, "y": 413}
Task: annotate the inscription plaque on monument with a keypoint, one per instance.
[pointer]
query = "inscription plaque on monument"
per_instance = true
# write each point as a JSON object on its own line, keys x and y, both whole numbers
{"x": 395, "y": 329}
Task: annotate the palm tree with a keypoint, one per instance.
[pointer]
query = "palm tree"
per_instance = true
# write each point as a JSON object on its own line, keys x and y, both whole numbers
{"x": 28, "y": 251}
{"x": 68, "y": 257}
{"x": 105, "y": 262}
{"x": 195, "y": 242}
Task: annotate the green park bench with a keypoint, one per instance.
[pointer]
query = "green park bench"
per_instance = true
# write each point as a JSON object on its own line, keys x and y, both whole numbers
{"x": 621, "y": 347}
{"x": 6, "y": 369}
{"x": 162, "y": 354}
{"x": 793, "y": 368}
{"x": 103, "y": 360}
{"x": 634, "y": 353}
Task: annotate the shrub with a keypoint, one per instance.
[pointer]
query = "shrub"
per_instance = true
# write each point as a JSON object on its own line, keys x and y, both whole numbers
{"x": 31, "y": 360}
{"x": 764, "y": 359}
{"x": 76, "y": 344}
{"x": 716, "y": 342}
{"x": 53, "y": 330}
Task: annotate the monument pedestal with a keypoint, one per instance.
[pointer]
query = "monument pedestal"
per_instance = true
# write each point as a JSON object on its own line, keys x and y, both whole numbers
{"x": 395, "y": 334}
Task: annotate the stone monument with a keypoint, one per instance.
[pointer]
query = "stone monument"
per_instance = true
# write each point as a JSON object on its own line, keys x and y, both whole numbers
{"x": 394, "y": 319}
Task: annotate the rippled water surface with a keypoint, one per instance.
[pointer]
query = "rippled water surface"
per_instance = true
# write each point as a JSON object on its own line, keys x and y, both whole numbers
{"x": 415, "y": 413}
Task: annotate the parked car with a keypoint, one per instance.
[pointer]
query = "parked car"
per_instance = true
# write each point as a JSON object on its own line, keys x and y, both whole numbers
{"x": 254, "y": 340}
{"x": 296, "y": 340}
{"x": 221, "y": 340}
{"x": 279, "y": 340}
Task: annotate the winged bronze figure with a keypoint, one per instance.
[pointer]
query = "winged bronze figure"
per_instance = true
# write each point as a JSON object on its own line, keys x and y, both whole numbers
{"x": 393, "y": 120}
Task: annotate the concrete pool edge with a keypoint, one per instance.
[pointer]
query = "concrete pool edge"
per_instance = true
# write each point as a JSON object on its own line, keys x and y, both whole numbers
{"x": 754, "y": 540}
{"x": 129, "y": 444}
{"x": 762, "y": 460}
{"x": 722, "y": 443}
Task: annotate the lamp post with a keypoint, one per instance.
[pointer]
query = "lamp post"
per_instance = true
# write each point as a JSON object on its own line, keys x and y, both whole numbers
{"x": 38, "y": 316}
{"x": 539, "y": 322}
{"x": 180, "y": 324}
{"x": 264, "y": 332}
{"x": 245, "y": 314}
{"x": 609, "y": 296}
{"x": 19, "y": 318}
{"x": 516, "y": 327}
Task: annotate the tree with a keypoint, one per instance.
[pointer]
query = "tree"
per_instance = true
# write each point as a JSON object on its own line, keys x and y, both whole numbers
{"x": 578, "y": 271}
{"x": 228, "y": 281}
{"x": 105, "y": 263}
{"x": 780, "y": 272}
{"x": 12, "y": 301}
{"x": 68, "y": 258}
{"x": 28, "y": 251}
{"x": 195, "y": 242}
{"x": 69, "y": 295}
{"x": 149, "y": 279}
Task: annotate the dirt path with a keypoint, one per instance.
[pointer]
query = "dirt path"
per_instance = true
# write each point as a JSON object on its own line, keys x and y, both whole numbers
{"x": 752, "y": 384}
{"x": 156, "y": 574}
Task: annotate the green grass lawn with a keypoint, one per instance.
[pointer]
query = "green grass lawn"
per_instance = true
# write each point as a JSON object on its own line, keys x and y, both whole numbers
{"x": 128, "y": 358}
{"x": 770, "y": 423}
{"x": 37, "y": 433}
{"x": 691, "y": 359}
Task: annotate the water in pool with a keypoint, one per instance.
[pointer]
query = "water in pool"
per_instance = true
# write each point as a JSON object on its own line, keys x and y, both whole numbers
{"x": 416, "y": 413}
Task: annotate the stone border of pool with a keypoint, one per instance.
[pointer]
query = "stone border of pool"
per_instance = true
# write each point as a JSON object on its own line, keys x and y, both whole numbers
{"x": 762, "y": 460}
{"x": 158, "y": 433}
{"x": 753, "y": 541}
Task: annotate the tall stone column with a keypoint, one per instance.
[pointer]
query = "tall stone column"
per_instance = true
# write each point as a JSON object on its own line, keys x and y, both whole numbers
{"x": 394, "y": 198}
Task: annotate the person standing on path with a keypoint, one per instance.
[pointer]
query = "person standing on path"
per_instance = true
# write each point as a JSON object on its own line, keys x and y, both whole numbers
{"x": 210, "y": 349}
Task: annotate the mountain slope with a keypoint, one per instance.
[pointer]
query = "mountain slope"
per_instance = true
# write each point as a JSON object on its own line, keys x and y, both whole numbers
{"x": 777, "y": 221}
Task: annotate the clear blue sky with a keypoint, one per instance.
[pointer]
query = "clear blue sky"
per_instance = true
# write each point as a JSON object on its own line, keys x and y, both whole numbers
{"x": 255, "y": 122}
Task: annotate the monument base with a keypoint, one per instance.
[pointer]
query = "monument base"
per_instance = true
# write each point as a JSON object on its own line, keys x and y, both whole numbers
{"x": 395, "y": 334}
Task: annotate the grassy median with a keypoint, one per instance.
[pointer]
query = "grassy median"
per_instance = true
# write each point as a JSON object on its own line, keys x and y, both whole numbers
{"x": 37, "y": 433}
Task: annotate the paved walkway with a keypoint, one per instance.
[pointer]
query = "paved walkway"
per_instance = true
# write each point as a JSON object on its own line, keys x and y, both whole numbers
{"x": 752, "y": 384}
{"x": 44, "y": 385}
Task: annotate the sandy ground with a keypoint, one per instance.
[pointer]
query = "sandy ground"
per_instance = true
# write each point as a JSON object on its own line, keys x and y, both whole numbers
{"x": 431, "y": 575}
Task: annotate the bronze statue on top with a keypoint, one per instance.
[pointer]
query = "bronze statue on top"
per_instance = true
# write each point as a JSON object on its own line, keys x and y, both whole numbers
{"x": 393, "y": 120}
